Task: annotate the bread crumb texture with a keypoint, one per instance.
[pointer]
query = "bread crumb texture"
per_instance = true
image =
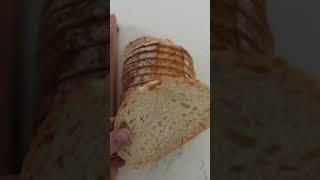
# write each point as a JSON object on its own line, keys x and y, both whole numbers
{"x": 162, "y": 116}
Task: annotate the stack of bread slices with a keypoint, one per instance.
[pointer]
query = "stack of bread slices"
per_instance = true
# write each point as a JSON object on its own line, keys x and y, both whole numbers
{"x": 162, "y": 103}
{"x": 149, "y": 58}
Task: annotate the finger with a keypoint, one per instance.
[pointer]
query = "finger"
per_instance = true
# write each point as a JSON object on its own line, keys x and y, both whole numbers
{"x": 117, "y": 162}
{"x": 112, "y": 119}
{"x": 114, "y": 156}
{"x": 113, "y": 173}
{"x": 118, "y": 139}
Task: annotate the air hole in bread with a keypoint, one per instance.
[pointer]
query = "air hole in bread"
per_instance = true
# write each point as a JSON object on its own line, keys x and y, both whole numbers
{"x": 127, "y": 152}
{"x": 142, "y": 120}
{"x": 123, "y": 125}
{"x": 202, "y": 125}
{"x": 184, "y": 115}
{"x": 185, "y": 105}
{"x": 173, "y": 100}
{"x": 131, "y": 121}
{"x": 156, "y": 149}
{"x": 139, "y": 163}
{"x": 160, "y": 124}
{"x": 132, "y": 102}
{"x": 194, "y": 108}
{"x": 124, "y": 105}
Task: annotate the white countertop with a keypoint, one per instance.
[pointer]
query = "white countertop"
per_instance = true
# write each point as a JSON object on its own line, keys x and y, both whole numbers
{"x": 187, "y": 22}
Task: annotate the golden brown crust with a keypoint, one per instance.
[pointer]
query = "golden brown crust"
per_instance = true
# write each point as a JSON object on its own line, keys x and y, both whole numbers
{"x": 133, "y": 44}
{"x": 159, "y": 45}
{"x": 159, "y": 61}
{"x": 144, "y": 71}
{"x": 150, "y": 58}
{"x": 156, "y": 69}
{"x": 154, "y": 53}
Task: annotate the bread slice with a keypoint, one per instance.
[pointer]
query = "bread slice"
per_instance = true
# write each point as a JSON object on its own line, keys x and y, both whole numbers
{"x": 166, "y": 61}
{"x": 154, "y": 70}
{"x": 140, "y": 81}
{"x": 156, "y": 49}
{"x": 143, "y": 79}
{"x": 162, "y": 115}
{"x": 138, "y": 42}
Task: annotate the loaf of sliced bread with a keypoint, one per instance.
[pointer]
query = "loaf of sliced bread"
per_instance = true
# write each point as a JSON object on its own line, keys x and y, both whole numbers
{"x": 150, "y": 58}
{"x": 162, "y": 115}
{"x": 162, "y": 103}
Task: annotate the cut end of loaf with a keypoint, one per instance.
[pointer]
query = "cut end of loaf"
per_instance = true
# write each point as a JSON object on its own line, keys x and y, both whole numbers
{"x": 162, "y": 116}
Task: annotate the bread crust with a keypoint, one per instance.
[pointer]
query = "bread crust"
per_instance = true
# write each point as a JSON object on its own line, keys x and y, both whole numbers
{"x": 159, "y": 61}
{"x": 159, "y": 47}
{"x": 142, "y": 71}
{"x": 169, "y": 54}
{"x": 149, "y": 58}
{"x": 149, "y": 87}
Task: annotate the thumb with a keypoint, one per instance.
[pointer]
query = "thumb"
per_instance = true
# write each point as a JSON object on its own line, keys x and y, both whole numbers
{"x": 118, "y": 139}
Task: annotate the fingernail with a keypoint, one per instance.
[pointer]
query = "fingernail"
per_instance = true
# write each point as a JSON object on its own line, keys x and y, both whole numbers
{"x": 122, "y": 136}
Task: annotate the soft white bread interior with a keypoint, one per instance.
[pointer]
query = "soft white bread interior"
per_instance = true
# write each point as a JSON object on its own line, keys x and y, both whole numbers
{"x": 162, "y": 115}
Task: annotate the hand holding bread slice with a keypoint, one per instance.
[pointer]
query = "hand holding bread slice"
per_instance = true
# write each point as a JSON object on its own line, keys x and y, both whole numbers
{"x": 163, "y": 108}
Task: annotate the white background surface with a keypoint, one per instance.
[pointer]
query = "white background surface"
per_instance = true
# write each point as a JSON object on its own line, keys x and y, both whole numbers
{"x": 187, "y": 22}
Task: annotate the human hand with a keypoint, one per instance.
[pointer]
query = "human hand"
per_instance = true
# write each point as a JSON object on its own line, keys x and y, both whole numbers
{"x": 118, "y": 139}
